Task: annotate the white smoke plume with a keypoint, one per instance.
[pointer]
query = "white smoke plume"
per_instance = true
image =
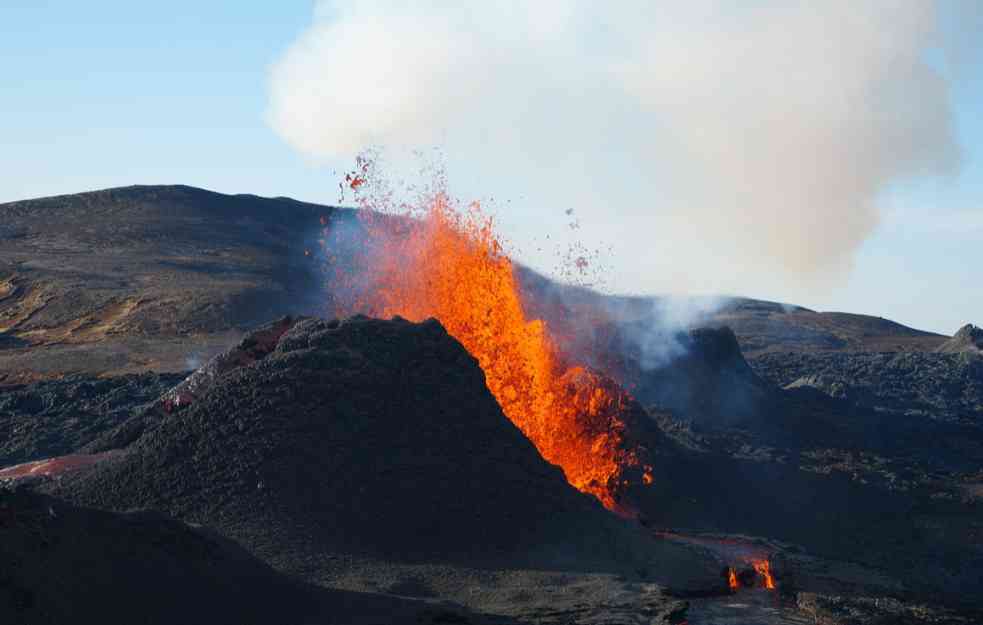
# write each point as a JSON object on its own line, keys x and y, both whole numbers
{"x": 711, "y": 142}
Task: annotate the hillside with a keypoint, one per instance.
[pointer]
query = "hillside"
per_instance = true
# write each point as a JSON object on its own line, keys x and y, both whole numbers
{"x": 159, "y": 278}
{"x": 145, "y": 278}
{"x": 764, "y": 327}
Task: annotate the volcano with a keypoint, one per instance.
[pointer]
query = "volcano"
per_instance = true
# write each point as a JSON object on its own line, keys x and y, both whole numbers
{"x": 368, "y": 440}
{"x": 405, "y": 459}
{"x": 445, "y": 261}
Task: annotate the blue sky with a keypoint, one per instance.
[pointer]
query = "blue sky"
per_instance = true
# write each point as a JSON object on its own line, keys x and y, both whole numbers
{"x": 108, "y": 93}
{"x": 100, "y": 94}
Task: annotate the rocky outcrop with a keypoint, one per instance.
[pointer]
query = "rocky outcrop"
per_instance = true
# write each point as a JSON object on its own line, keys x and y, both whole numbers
{"x": 969, "y": 339}
{"x": 701, "y": 376}
{"x": 66, "y": 564}
{"x": 57, "y": 417}
{"x": 939, "y": 386}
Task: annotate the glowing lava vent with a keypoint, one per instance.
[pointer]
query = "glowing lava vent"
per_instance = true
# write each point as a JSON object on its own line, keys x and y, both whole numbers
{"x": 437, "y": 259}
{"x": 763, "y": 568}
{"x": 758, "y": 574}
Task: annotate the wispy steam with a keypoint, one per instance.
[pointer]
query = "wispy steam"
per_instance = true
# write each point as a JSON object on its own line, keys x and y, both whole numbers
{"x": 766, "y": 131}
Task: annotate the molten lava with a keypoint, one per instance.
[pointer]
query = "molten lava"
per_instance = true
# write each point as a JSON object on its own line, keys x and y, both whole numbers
{"x": 732, "y": 579}
{"x": 763, "y": 568}
{"x": 448, "y": 263}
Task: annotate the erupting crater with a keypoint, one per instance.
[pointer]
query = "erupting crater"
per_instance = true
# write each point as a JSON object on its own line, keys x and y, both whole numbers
{"x": 757, "y": 574}
{"x": 436, "y": 259}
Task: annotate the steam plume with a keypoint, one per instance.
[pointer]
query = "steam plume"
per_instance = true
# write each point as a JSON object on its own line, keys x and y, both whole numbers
{"x": 765, "y": 130}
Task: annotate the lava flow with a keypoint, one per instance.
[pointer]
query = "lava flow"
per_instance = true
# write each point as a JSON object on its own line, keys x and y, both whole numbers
{"x": 763, "y": 568}
{"x": 757, "y": 575}
{"x": 757, "y": 569}
{"x": 448, "y": 263}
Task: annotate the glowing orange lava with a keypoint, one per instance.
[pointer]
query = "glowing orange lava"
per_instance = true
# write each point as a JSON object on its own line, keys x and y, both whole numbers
{"x": 448, "y": 263}
{"x": 763, "y": 569}
{"x": 732, "y": 579}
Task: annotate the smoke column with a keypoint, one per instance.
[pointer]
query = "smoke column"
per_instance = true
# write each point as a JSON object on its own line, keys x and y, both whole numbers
{"x": 712, "y": 143}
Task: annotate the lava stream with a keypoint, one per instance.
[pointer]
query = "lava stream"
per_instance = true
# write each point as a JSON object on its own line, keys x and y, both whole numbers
{"x": 763, "y": 568}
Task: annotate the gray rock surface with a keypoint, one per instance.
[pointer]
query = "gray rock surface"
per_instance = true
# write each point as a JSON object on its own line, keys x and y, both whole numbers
{"x": 969, "y": 339}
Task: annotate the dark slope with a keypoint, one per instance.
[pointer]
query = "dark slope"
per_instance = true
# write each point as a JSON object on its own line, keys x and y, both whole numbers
{"x": 56, "y": 417}
{"x": 162, "y": 277}
{"x": 767, "y": 327}
{"x": 705, "y": 380}
{"x": 69, "y": 564}
{"x": 140, "y": 278}
{"x": 369, "y": 438}
{"x": 760, "y": 326}
{"x": 64, "y": 564}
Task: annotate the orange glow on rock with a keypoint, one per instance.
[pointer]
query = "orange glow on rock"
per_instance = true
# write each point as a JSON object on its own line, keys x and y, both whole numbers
{"x": 763, "y": 568}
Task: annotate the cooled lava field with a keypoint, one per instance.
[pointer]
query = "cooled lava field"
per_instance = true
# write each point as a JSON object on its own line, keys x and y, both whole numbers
{"x": 198, "y": 424}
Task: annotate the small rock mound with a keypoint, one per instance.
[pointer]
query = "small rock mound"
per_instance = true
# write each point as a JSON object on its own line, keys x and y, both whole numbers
{"x": 969, "y": 339}
{"x": 707, "y": 381}
{"x": 253, "y": 348}
{"x": 829, "y": 385}
{"x": 361, "y": 437}
{"x": 711, "y": 382}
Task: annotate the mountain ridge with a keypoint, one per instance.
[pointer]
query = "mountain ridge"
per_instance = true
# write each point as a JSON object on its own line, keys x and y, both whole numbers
{"x": 154, "y": 277}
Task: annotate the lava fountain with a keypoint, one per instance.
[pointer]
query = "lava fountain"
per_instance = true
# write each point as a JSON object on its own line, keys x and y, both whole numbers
{"x": 438, "y": 259}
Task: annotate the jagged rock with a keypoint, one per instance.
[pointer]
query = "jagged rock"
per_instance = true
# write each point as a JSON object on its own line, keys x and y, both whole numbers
{"x": 254, "y": 347}
{"x": 969, "y": 339}
{"x": 836, "y": 610}
{"x": 938, "y": 386}
{"x": 57, "y": 417}
{"x": 829, "y": 385}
